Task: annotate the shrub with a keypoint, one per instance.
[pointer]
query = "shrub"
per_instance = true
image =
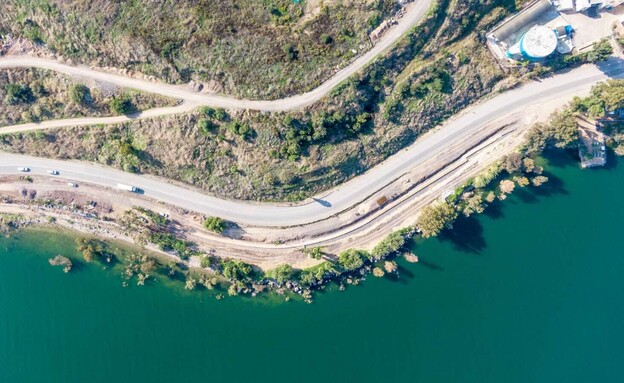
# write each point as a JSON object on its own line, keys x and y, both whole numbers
{"x": 205, "y": 126}
{"x": 18, "y": 94}
{"x": 600, "y": 51}
{"x": 352, "y": 259}
{"x": 291, "y": 52}
{"x": 80, "y": 94}
{"x": 281, "y": 273}
{"x": 240, "y": 129}
{"x": 393, "y": 242}
{"x": 122, "y": 105}
{"x": 435, "y": 218}
{"x": 315, "y": 252}
{"x": 214, "y": 224}
{"x": 235, "y": 270}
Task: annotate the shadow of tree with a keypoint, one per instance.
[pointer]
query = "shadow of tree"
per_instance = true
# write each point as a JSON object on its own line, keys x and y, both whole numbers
{"x": 430, "y": 265}
{"x": 233, "y": 230}
{"x": 494, "y": 210}
{"x": 466, "y": 235}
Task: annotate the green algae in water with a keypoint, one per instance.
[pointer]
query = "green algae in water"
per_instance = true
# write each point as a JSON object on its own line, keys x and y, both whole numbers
{"x": 528, "y": 292}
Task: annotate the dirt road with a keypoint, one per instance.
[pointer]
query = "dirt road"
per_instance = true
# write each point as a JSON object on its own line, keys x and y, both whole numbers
{"x": 415, "y": 13}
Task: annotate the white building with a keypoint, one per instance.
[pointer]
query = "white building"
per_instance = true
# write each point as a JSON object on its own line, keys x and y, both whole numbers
{"x": 582, "y": 5}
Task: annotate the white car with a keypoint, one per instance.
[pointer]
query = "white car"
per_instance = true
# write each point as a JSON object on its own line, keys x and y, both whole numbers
{"x": 23, "y": 169}
{"x": 53, "y": 172}
{"x": 72, "y": 185}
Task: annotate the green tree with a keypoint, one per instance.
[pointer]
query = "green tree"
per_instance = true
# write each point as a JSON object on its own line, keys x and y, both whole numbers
{"x": 122, "y": 105}
{"x": 18, "y": 94}
{"x": 290, "y": 51}
{"x": 512, "y": 163}
{"x": 215, "y": 224}
{"x": 435, "y": 218}
{"x": 205, "y": 126}
{"x": 205, "y": 261}
{"x": 600, "y": 51}
{"x": 563, "y": 129}
{"x": 393, "y": 242}
{"x": 610, "y": 93}
{"x": 315, "y": 252}
{"x": 235, "y": 270}
{"x": 352, "y": 259}
{"x": 240, "y": 129}
{"x": 474, "y": 204}
{"x": 281, "y": 273}
{"x": 80, "y": 94}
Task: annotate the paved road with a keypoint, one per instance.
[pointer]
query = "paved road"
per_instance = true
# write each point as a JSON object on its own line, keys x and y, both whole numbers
{"x": 413, "y": 16}
{"x": 453, "y": 133}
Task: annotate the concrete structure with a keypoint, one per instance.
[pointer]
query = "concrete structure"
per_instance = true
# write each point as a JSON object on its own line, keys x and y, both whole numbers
{"x": 515, "y": 40}
{"x": 528, "y": 16}
{"x": 583, "y": 5}
{"x": 619, "y": 27}
{"x": 592, "y": 150}
{"x": 537, "y": 43}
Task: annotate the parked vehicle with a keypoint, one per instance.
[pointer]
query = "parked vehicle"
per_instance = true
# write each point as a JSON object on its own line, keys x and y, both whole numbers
{"x": 129, "y": 188}
{"x": 72, "y": 184}
{"x": 23, "y": 169}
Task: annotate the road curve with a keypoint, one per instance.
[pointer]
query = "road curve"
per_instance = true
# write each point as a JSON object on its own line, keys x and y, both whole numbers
{"x": 451, "y": 134}
{"x": 415, "y": 13}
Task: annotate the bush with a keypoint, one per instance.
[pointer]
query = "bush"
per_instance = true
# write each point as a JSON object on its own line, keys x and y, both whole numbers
{"x": 281, "y": 273}
{"x": 393, "y": 242}
{"x": 80, "y": 94}
{"x": 352, "y": 259}
{"x": 218, "y": 114}
{"x": 326, "y": 39}
{"x": 317, "y": 273}
{"x": 600, "y": 51}
{"x": 435, "y": 218}
{"x": 315, "y": 252}
{"x": 169, "y": 242}
{"x": 291, "y": 52}
{"x": 236, "y": 270}
{"x": 240, "y": 129}
{"x": 206, "y": 126}
{"x": 205, "y": 261}
{"x": 214, "y": 224}
{"x": 122, "y": 105}
{"x": 18, "y": 94}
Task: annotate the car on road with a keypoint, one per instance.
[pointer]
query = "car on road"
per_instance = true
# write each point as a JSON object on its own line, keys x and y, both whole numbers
{"x": 132, "y": 189}
{"x": 53, "y": 172}
{"x": 72, "y": 184}
{"x": 23, "y": 169}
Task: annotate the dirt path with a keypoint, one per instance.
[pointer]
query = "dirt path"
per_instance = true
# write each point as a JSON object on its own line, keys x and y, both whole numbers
{"x": 415, "y": 13}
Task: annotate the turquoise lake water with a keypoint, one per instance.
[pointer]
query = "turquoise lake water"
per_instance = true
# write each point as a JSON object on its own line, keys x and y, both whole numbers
{"x": 531, "y": 291}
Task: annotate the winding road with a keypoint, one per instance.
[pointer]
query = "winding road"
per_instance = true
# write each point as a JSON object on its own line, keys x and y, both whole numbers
{"x": 414, "y": 14}
{"x": 450, "y": 135}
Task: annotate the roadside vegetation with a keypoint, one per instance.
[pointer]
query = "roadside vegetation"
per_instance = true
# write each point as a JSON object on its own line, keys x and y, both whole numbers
{"x": 437, "y": 69}
{"x": 291, "y": 46}
{"x": 514, "y": 171}
{"x": 34, "y": 95}
{"x": 519, "y": 169}
{"x": 214, "y": 224}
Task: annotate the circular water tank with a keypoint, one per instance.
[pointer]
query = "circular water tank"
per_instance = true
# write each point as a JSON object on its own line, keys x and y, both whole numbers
{"x": 538, "y": 42}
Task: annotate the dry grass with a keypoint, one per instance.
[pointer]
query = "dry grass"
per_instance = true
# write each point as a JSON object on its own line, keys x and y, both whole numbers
{"x": 51, "y": 92}
{"x": 204, "y": 39}
{"x": 227, "y": 165}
